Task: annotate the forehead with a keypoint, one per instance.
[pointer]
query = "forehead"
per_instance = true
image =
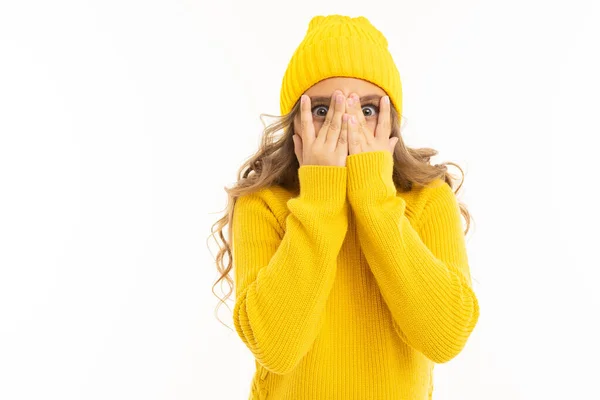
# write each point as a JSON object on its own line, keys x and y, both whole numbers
{"x": 346, "y": 85}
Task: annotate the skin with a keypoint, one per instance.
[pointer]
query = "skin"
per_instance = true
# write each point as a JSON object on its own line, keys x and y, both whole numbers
{"x": 325, "y": 133}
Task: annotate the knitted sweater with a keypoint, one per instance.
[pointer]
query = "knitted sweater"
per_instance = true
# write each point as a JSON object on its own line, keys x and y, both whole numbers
{"x": 350, "y": 290}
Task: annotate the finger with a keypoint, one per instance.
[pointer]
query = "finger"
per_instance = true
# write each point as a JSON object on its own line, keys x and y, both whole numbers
{"x": 342, "y": 143}
{"x": 384, "y": 127}
{"x": 298, "y": 148}
{"x": 362, "y": 127}
{"x": 356, "y": 140}
{"x": 322, "y": 135}
{"x": 393, "y": 143}
{"x": 333, "y": 132}
{"x": 307, "y": 129}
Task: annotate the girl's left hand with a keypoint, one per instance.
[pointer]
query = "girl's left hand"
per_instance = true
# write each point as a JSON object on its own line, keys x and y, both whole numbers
{"x": 360, "y": 138}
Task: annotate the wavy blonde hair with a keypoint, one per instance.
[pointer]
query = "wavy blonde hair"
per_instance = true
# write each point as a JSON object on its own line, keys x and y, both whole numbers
{"x": 275, "y": 163}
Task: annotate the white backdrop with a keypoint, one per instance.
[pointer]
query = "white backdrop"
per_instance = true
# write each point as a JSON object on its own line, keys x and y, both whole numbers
{"x": 122, "y": 121}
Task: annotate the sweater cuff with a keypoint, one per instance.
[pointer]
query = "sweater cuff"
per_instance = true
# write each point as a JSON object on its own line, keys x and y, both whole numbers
{"x": 323, "y": 183}
{"x": 370, "y": 175}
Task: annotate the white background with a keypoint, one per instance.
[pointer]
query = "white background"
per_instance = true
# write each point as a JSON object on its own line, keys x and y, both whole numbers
{"x": 122, "y": 121}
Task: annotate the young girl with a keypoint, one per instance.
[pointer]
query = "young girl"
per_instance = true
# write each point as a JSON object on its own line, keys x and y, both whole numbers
{"x": 351, "y": 271}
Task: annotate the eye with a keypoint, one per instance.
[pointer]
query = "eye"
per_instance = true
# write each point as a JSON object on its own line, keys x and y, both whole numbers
{"x": 322, "y": 110}
{"x": 369, "y": 110}
{"x": 370, "y": 113}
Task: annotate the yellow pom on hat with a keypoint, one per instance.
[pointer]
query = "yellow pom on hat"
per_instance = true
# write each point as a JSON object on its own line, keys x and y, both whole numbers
{"x": 342, "y": 46}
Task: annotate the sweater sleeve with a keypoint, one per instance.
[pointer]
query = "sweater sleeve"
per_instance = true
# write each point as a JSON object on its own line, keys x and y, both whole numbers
{"x": 424, "y": 279}
{"x": 283, "y": 279}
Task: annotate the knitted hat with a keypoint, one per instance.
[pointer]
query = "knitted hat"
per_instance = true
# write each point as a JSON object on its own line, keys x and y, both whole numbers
{"x": 338, "y": 45}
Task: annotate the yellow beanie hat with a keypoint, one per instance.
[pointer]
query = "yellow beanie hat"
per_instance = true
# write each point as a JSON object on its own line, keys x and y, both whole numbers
{"x": 338, "y": 45}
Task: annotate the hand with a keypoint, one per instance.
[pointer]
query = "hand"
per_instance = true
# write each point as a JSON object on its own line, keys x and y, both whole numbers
{"x": 330, "y": 146}
{"x": 360, "y": 139}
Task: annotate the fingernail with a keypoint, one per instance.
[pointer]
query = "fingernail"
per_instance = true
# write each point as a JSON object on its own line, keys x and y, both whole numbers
{"x": 386, "y": 99}
{"x": 350, "y": 101}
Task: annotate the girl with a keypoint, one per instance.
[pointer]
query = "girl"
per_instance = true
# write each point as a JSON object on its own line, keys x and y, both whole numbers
{"x": 351, "y": 273}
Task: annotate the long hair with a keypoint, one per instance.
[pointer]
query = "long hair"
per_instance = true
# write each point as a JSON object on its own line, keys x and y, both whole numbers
{"x": 275, "y": 163}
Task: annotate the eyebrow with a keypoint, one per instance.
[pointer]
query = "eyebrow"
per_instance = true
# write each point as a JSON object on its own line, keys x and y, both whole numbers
{"x": 325, "y": 99}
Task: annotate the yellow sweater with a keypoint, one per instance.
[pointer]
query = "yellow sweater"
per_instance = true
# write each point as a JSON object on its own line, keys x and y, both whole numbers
{"x": 350, "y": 290}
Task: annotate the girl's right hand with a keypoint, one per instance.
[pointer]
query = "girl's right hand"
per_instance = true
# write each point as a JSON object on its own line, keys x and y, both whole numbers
{"x": 330, "y": 146}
